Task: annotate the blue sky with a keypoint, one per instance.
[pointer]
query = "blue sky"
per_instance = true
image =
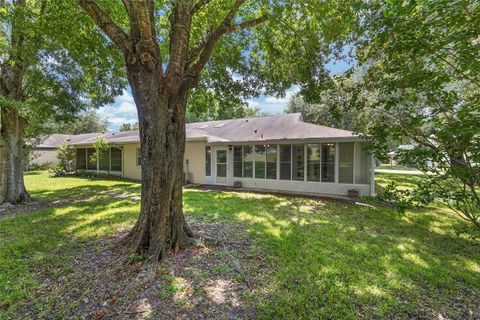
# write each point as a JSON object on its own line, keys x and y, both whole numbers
{"x": 123, "y": 110}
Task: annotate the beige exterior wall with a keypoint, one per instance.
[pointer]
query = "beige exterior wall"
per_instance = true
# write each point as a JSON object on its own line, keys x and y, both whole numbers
{"x": 130, "y": 168}
{"x": 43, "y": 156}
{"x": 194, "y": 161}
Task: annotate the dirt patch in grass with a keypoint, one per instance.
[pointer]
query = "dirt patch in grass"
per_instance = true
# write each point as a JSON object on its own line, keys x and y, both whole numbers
{"x": 204, "y": 282}
{"x": 8, "y": 210}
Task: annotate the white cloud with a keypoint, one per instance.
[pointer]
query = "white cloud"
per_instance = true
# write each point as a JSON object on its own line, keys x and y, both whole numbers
{"x": 120, "y": 120}
{"x": 125, "y": 97}
{"x": 106, "y": 111}
{"x": 123, "y": 110}
{"x": 126, "y": 107}
{"x": 282, "y": 100}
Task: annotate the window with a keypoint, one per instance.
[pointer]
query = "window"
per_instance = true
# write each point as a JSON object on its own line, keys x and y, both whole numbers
{"x": 208, "y": 161}
{"x": 139, "y": 157}
{"x": 298, "y": 162}
{"x": 104, "y": 161}
{"x": 237, "y": 162}
{"x": 81, "y": 159}
{"x": 260, "y": 157}
{"x": 271, "y": 161}
{"x": 116, "y": 159}
{"x": 362, "y": 164}
{"x": 285, "y": 162}
{"x": 313, "y": 162}
{"x": 91, "y": 165}
{"x": 247, "y": 162}
{"x": 345, "y": 162}
{"x": 328, "y": 162}
{"x": 222, "y": 163}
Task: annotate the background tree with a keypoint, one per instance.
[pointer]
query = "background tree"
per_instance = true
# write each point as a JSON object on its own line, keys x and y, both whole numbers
{"x": 173, "y": 48}
{"x": 423, "y": 57}
{"x": 129, "y": 126}
{"x": 343, "y": 102}
{"x": 45, "y": 74}
{"x": 84, "y": 122}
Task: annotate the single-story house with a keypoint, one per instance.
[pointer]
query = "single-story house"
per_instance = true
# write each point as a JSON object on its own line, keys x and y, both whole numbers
{"x": 272, "y": 153}
{"x": 44, "y": 151}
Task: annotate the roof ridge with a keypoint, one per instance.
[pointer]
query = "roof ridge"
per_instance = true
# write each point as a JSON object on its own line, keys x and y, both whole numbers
{"x": 254, "y": 117}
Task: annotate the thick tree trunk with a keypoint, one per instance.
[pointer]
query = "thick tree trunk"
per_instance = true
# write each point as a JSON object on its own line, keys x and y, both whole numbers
{"x": 12, "y": 186}
{"x": 161, "y": 226}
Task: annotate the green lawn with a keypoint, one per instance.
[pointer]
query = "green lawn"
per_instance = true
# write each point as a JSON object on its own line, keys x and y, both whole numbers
{"x": 389, "y": 167}
{"x": 323, "y": 259}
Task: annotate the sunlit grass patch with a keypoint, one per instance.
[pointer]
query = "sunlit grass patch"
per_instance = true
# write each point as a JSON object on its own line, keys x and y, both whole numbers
{"x": 319, "y": 259}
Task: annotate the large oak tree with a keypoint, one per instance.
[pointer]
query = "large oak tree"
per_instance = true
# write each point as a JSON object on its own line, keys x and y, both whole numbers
{"x": 176, "y": 48}
{"x": 45, "y": 75}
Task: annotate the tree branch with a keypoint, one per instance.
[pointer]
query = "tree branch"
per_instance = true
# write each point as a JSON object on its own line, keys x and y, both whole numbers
{"x": 199, "y": 5}
{"x": 181, "y": 20}
{"x": 204, "y": 49}
{"x": 247, "y": 24}
{"x": 101, "y": 18}
{"x": 140, "y": 14}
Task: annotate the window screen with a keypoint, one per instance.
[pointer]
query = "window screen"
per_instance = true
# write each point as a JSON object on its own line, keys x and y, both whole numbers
{"x": 91, "y": 165}
{"x": 298, "y": 162}
{"x": 328, "y": 162}
{"x": 362, "y": 164}
{"x": 104, "y": 161}
{"x": 345, "y": 162}
{"x": 237, "y": 162}
{"x": 247, "y": 162}
{"x": 81, "y": 159}
{"x": 271, "y": 161}
{"x": 285, "y": 162}
{"x": 313, "y": 162}
{"x": 116, "y": 159}
{"x": 260, "y": 157}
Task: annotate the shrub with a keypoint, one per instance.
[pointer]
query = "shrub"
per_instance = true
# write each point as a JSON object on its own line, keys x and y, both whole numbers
{"x": 66, "y": 157}
{"x": 57, "y": 171}
{"x": 401, "y": 200}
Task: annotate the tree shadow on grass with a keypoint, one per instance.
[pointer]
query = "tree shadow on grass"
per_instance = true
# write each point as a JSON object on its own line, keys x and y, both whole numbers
{"x": 88, "y": 192}
{"x": 341, "y": 261}
{"x": 32, "y": 173}
{"x": 324, "y": 259}
{"x": 60, "y": 264}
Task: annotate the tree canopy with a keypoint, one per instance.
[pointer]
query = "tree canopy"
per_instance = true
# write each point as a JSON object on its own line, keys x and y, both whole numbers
{"x": 46, "y": 75}
{"x": 85, "y": 122}
{"x": 423, "y": 59}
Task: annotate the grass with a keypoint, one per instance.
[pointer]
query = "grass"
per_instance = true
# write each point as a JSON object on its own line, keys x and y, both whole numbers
{"x": 389, "y": 167}
{"x": 324, "y": 259}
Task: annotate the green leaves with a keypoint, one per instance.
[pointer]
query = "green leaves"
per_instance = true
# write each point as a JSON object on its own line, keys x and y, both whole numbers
{"x": 422, "y": 57}
{"x": 62, "y": 64}
{"x": 101, "y": 150}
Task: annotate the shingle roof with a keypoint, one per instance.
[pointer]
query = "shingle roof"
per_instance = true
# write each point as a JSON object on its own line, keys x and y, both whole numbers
{"x": 269, "y": 128}
{"x": 56, "y": 139}
{"x": 52, "y": 141}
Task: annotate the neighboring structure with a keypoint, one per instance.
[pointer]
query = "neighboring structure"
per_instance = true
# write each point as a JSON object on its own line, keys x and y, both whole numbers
{"x": 393, "y": 155}
{"x": 45, "y": 152}
{"x": 275, "y": 152}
